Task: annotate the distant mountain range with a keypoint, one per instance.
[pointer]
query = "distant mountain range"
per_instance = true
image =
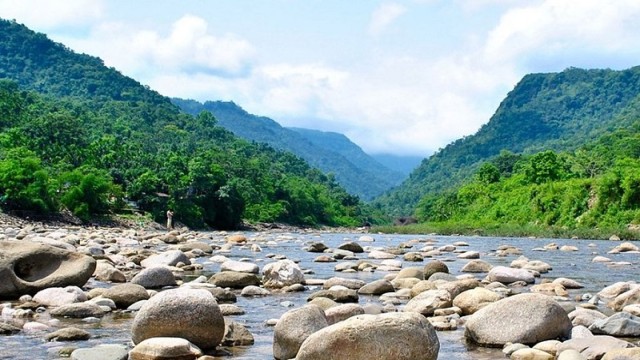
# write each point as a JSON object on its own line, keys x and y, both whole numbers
{"x": 334, "y": 153}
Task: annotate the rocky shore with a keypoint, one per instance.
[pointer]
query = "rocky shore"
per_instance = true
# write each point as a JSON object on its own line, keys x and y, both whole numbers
{"x": 57, "y": 279}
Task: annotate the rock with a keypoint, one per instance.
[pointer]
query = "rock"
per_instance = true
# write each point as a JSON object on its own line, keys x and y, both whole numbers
{"x": 593, "y": 347}
{"x": 240, "y": 266}
{"x": 354, "y": 284}
{"x": 351, "y": 246}
{"x": 511, "y": 348}
{"x": 222, "y": 295}
{"x": 101, "y": 352}
{"x": 434, "y": 266}
{"x": 469, "y": 255}
{"x": 614, "y": 238}
{"x": 600, "y": 259}
{"x": 230, "y": 309}
{"x": 531, "y": 354}
{"x": 236, "y": 239}
{"x": 377, "y": 254}
{"x": 616, "y": 289}
{"x": 161, "y": 348}
{"x": 622, "y": 354}
{"x": 253, "y": 290}
{"x": 413, "y": 257}
{"x": 508, "y": 275}
{"x": 26, "y": 268}
{"x": 524, "y": 318}
{"x": 568, "y": 248}
{"x": 78, "y": 310}
{"x": 317, "y": 247}
{"x": 398, "y": 336}
{"x": 190, "y": 314}
{"x": 411, "y": 272}
{"x": 234, "y": 279}
{"x": 337, "y": 294}
{"x": 568, "y": 283}
{"x": 154, "y": 278}
{"x": 471, "y": 301}
{"x": 585, "y": 317}
{"x": 551, "y": 289}
{"x": 8, "y": 329}
{"x": 632, "y": 296}
{"x": 281, "y": 273}
{"x": 619, "y": 324}
{"x": 579, "y": 332}
{"x": 107, "y": 272}
{"x": 571, "y": 354}
{"x": 294, "y": 327}
{"x": 167, "y": 258}
{"x": 428, "y": 301}
{"x": 457, "y": 287}
{"x": 68, "y": 334}
{"x": 236, "y": 334}
{"x": 476, "y": 266}
{"x": 341, "y": 254}
{"x": 124, "y": 295}
{"x": 548, "y": 346}
{"x": 60, "y": 296}
{"x": 342, "y": 312}
{"x": 377, "y": 287}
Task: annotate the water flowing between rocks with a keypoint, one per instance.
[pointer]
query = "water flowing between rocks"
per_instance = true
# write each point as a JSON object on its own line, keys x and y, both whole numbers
{"x": 115, "y": 327}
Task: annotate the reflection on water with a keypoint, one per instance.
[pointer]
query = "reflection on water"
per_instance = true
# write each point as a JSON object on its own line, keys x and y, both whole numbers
{"x": 114, "y": 328}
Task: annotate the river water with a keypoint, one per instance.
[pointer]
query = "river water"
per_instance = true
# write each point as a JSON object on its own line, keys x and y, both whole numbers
{"x": 577, "y": 265}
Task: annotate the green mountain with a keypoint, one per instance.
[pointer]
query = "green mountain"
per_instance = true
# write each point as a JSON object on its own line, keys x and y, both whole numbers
{"x": 403, "y": 164}
{"x": 76, "y": 135}
{"x": 356, "y": 171}
{"x": 557, "y": 111}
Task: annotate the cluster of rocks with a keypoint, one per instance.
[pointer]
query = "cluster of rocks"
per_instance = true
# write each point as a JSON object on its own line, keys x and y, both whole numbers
{"x": 57, "y": 275}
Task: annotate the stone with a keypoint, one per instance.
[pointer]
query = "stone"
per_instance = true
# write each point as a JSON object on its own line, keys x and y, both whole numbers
{"x": 619, "y": 324}
{"x": 167, "y": 258}
{"x": 471, "y": 301}
{"x": 571, "y": 354}
{"x": 531, "y": 354}
{"x": 26, "y": 268}
{"x": 551, "y": 289}
{"x": 124, "y": 295}
{"x": 398, "y": 336}
{"x": 342, "y": 312}
{"x": 524, "y": 318}
{"x": 632, "y": 296}
{"x": 230, "y": 309}
{"x": 107, "y": 272}
{"x": 281, "y": 273}
{"x": 428, "y": 301}
{"x": 411, "y": 272}
{"x": 294, "y": 327}
{"x": 236, "y": 239}
{"x": 154, "y": 278}
{"x": 434, "y": 266}
{"x": 78, "y": 310}
{"x": 377, "y": 254}
{"x": 234, "y": 279}
{"x": 161, "y": 348}
{"x": 593, "y": 347}
{"x": 585, "y": 317}
{"x": 8, "y": 329}
{"x": 191, "y": 314}
{"x": 68, "y": 334}
{"x": 469, "y": 255}
{"x": 622, "y": 354}
{"x": 413, "y": 257}
{"x": 253, "y": 290}
{"x": 568, "y": 283}
{"x": 377, "y": 287}
{"x": 506, "y": 275}
{"x": 351, "y": 246}
{"x": 354, "y": 284}
{"x": 457, "y": 287}
{"x": 317, "y": 247}
{"x": 337, "y": 294}
{"x": 101, "y": 352}
{"x": 240, "y": 266}
{"x": 57, "y": 296}
{"x": 476, "y": 266}
{"x": 548, "y": 346}
{"x": 236, "y": 334}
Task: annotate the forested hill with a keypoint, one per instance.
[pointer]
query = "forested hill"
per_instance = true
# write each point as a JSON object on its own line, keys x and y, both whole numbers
{"x": 78, "y": 136}
{"x": 356, "y": 171}
{"x": 557, "y": 111}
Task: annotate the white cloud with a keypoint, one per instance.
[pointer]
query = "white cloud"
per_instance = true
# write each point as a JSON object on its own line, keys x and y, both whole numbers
{"x": 45, "y": 14}
{"x": 384, "y": 16}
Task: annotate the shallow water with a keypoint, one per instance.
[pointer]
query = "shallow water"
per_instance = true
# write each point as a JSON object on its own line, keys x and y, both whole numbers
{"x": 114, "y": 328}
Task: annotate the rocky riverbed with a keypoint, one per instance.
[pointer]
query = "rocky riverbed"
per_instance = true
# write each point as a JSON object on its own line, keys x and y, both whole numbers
{"x": 142, "y": 293}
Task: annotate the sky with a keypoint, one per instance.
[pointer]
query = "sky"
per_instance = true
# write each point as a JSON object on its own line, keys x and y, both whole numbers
{"x": 403, "y": 77}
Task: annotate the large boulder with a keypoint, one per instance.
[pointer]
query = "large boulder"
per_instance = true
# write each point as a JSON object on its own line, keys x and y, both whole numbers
{"x": 391, "y": 336}
{"x": 191, "y": 314}
{"x": 377, "y": 287}
{"x": 428, "y": 301}
{"x": 281, "y": 273}
{"x": 525, "y": 318}
{"x": 471, "y": 301}
{"x": 167, "y": 258}
{"x": 154, "y": 277}
{"x": 434, "y": 266}
{"x": 161, "y": 348}
{"x": 294, "y": 327}
{"x": 234, "y": 279}
{"x": 26, "y": 268}
{"x": 60, "y": 296}
{"x": 593, "y": 347}
{"x": 619, "y": 324}
{"x": 124, "y": 295}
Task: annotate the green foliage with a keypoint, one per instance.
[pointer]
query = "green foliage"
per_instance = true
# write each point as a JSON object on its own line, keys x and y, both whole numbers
{"x": 98, "y": 140}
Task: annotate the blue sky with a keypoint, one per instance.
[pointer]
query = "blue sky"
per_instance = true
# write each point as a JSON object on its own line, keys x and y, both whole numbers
{"x": 402, "y": 77}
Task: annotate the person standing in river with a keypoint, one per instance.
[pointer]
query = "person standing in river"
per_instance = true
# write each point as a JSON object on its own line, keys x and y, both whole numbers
{"x": 169, "y": 219}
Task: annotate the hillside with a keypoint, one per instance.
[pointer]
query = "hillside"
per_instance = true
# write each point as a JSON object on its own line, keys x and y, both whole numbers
{"x": 78, "y": 136}
{"x": 557, "y": 111}
{"x": 356, "y": 171}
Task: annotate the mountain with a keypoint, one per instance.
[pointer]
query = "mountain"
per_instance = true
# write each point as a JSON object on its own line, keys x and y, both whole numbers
{"x": 356, "y": 171}
{"x": 76, "y": 135}
{"x": 400, "y": 163}
{"x": 557, "y": 111}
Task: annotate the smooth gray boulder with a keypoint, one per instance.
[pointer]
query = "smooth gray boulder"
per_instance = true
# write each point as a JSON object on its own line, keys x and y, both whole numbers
{"x": 240, "y": 266}
{"x": 155, "y": 277}
{"x": 434, "y": 266}
{"x": 26, "y": 268}
{"x": 191, "y": 314}
{"x": 397, "y": 336}
{"x": 234, "y": 279}
{"x": 377, "y": 287}
{"x": 161, "y": 348}
{"x": 236, "y": 334}
{"x": 594, "y": 347}
{"x": 101, "y": 352}
{"x": 281, "y": 273}
{"x": 428, "y": 301}
{"x": 507, "y": 275}
{"x": 60, "y": 296}
{"x": 619, "y": 324}
{"x": 125, "y": 295}
{"x": 167, "y": 258}
{"x": 294, "y": 327}
{"x": 526, "y": 318}
{"x": 78, "y": 310}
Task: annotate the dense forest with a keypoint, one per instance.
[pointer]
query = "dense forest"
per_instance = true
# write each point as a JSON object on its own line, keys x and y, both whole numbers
{"x": 332, "y": 153}
{"x": 556, "y": 111}
{"x": 78, "y": 136}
